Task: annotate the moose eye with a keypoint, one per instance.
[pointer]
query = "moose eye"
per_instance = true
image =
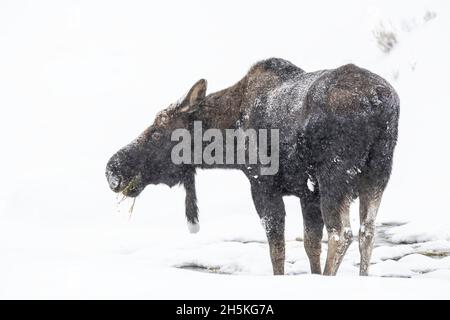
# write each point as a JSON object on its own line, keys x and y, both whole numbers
{"x": 156, "y": 136}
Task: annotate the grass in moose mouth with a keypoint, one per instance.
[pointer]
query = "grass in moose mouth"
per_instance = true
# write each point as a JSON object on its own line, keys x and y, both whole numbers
{"x": 130, "y": 186}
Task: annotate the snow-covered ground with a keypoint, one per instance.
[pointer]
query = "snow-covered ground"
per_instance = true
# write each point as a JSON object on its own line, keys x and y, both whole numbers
{"x": 78, "y": 80}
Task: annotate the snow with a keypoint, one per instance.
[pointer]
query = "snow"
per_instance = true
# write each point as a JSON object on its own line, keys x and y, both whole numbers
{"x": 438, "y": 274}
{"x": 391, "y": 268}
{"x": 310, "y": 185}
{"x": 76, "y": 85}
{"x": 387, "y": 252}
{"x": 420, "y": 231}
{"x": 420, "y": 263}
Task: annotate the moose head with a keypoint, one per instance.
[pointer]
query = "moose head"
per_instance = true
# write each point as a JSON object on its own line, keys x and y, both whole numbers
{"x": 147, "y": 159}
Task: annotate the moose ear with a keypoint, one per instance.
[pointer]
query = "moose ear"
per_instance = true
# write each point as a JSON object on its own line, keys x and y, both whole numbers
{"x": 197, "y": 92}
{"x": 194, "y": 96}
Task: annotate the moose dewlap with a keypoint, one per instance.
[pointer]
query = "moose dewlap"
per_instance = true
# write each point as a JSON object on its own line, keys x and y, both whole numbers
{"x": 326, "y": 137}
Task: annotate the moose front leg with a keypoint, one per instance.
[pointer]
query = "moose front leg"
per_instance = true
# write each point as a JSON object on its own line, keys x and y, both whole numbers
{"x": 313, "y": 227}
{"x": 270, "y": 208}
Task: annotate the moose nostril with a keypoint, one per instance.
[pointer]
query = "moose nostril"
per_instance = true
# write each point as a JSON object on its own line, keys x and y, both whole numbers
{"x": 114, "y": 182}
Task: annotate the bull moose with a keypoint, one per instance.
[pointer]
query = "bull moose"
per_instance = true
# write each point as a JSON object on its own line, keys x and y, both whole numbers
{"x": 337, "y": 134}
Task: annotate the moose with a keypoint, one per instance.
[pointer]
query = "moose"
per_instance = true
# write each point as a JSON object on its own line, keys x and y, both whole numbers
{"x": 337, "y": 133}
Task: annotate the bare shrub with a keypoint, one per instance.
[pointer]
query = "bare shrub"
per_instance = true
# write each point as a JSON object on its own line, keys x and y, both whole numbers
{"x": 386, "y": 39}
{"x": 429, "y": 15}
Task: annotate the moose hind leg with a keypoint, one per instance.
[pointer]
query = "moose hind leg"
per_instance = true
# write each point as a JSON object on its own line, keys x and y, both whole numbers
{"x": 372, "y": 185}
{"x": 335, "y": 211}
{"x": 313, "y": 228}
{"x": 369, "y": 203}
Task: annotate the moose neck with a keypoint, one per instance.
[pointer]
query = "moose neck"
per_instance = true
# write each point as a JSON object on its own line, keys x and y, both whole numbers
{"x": 219, "y": 110}
{"x": 222, "y": 109}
